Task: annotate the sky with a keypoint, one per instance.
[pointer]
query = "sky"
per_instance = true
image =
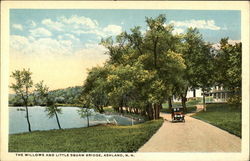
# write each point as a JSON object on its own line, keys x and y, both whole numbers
{"x": 58, "y": 46}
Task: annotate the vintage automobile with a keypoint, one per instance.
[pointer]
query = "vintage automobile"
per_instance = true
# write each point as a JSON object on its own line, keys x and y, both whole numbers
{"x": 178, "y": 114}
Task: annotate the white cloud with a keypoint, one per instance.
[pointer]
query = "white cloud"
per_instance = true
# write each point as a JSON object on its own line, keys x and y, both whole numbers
{"x": 53, "y": 24}
{"x": 81, "y": 25}
{"x": 40, "y": 32}
{"x": 19, "y": 42}
{"x": 178, "y": 30}
{"x": 231, "y": 42}
{"x": 201, "y": 24}
{"x": 32, "y": 24}
{"x": 17, "y": 26}
{"x": 41, "y": 46}
{"x": 72, "y": 37}
{"x": 112, "y": 30}
{"x": 31, "y": 38}
{"x": 78, "y": 22}
{"x": 92, "y": 52}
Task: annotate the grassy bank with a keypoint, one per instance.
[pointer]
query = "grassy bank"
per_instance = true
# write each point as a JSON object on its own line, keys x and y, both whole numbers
{"x": 224, "y": 116}
{"x": 103, "y": 138}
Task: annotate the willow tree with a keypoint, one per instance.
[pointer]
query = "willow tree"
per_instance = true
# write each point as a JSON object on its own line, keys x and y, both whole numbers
{"x": 95, "y": 89}
{"x": 22, "y": 87}
{"x": 51, "y": 108}
{"x": 155, "y": 52}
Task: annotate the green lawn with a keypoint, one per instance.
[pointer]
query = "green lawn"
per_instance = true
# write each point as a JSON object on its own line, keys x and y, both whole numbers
{"x": 224, "y": 116}
{"x": 103, "y": 138}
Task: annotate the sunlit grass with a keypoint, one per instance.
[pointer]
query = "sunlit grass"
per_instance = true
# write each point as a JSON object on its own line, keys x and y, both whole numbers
{"x": 103, "y": 138}
{"x": 224, "y": 116}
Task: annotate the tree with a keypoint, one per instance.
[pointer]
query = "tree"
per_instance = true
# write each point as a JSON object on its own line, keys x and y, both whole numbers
{"x": 86, "y": 110}
{"x": 22, "y": 88}
{"x": 51, "y": 107}
{"x": 228, "y": 61}
{"x": 198, "y": 61}
{"x": 153, "y": 57}
{"x": 52, "y": 110}
{"x": 95, "y": 89}
{"x": 41, "y": 92}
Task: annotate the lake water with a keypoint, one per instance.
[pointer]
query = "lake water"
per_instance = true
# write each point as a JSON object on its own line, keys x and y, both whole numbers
{"x": 68, "y": 119}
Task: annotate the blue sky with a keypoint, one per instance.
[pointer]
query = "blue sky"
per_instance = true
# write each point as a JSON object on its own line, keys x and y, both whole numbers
{"x": 228, "y": 21}
{"x": 67, "y": 37}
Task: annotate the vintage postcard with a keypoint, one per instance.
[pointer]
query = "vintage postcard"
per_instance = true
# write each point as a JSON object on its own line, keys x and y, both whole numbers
{"x": 124, "y": 80}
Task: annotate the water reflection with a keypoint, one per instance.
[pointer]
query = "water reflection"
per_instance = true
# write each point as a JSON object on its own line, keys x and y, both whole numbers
{"x": 68, "y": 119}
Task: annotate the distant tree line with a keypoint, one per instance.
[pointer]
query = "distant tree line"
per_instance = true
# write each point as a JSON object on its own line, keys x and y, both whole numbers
{"x": 68, "y": 95}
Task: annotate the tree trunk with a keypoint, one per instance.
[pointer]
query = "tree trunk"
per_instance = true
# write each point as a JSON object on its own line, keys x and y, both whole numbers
{"x": 150, "y": 111}
{"x": 121, "y": 109}
{"x": 27, "y": 117}
{"x": 25, "y": 99}
{"x": 102, "y": 110}
{"x": 170, "y": 103}
{"x": 194, "y": 93}
{"x": 153, "y": 111}
{"x": 204, "y": 100}
{"x": 143, "y": 112}
{"x": 183, "y": 102}
{"x": 157, "y": 111}
{"x": 58, "y": 121}
{"x": 159, "y": 106}
{"x": 130, "y": 110}
{"x": 98, "y": 108}
{"x": 87, "y": 120}
{"x": 136, "y": 110}
{"x": 127, "y": 110}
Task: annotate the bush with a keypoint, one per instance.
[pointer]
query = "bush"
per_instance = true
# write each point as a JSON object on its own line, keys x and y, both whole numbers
{"x": 234, "y": 99}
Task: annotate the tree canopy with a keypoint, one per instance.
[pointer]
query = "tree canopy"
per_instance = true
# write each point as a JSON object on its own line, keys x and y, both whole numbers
{"x": 145, "y": 69}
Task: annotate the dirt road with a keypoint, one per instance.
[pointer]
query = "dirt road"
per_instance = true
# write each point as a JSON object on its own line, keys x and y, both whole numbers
{"x": 192, "y": 136}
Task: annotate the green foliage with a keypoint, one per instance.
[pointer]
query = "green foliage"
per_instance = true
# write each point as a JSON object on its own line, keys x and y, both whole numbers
{"x": 52, "y": 110}
{"x": 22, "y": 84}
{"x": 70, "y": 95}
{"x": 235, "y": 99}
{"x": 15, "y": 100}
{"x": 42, "y": 91}
{"x": 93, "y": 139}
{"x": 86, "y": 112}
{"x": 224, "y": 116}
{"x": 21, "y": 87}
{"x": 141, "y": 72}
{"x": 198, "y": 60}
{"x": 228, "y": 62}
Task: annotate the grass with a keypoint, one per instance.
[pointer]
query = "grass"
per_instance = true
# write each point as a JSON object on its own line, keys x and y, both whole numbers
{"x": 102, "y": 138}
{"x": 224, "y": 116}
